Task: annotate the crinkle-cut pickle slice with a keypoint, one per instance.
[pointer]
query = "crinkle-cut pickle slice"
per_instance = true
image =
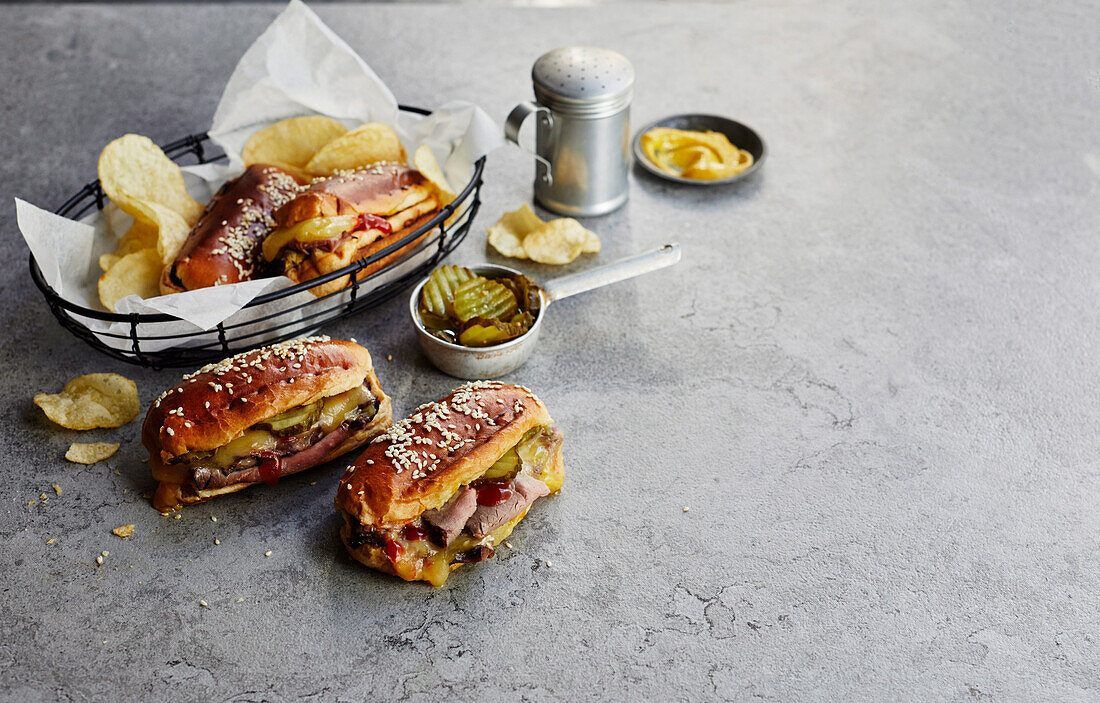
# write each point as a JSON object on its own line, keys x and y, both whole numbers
{"x": 481, "y": 297}
{"x": 438, "y": 294}
{"x": 480, "y": 332}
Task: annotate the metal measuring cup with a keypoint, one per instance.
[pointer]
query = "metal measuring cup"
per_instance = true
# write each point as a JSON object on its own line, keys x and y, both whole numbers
{"x": 490, "y": 362}
{"x": 582, "y": 138}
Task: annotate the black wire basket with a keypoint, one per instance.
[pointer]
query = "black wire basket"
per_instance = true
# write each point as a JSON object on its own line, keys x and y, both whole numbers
{"x": 139, "y": 338}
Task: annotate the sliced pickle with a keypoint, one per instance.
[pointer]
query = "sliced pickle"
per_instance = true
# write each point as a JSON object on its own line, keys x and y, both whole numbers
{"x": 504, "y": 466}
{"x": 482, "y": 334}
{"x": 481, "y": 297}
{"x": 438, "y": 294}
{"x": 317, "y": 229}
{"x": 434, "y": 323}
{"x": 295, "y": 420}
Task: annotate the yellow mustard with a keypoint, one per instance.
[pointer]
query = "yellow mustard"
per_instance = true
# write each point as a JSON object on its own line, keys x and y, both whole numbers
{"x": 700, "y": 155}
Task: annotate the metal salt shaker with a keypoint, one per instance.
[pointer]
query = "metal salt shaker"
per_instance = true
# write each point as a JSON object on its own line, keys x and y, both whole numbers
{"x": 582, "y": 139}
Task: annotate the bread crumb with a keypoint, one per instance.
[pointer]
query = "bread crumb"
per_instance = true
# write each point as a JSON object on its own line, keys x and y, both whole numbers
{"x": 42, "y": 497}
{"x": 123, "y": 531}
{"x": 99, "y": 560}
{"x": 177, "y": 516}
{"x": 389, "y": 357}
{"x": 57, "y": 489}
{"x": 548, "y": 564}
{"x": 240, "y": 600}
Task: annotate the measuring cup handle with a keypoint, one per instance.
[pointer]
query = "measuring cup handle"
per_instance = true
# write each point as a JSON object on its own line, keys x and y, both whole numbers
{"x": 620, "y": 270}
{"x": 514, "y": 123}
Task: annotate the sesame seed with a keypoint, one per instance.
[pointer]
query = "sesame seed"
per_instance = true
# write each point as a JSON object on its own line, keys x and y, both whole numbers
{"x": 267, "y": 553}
{"x": 213, "y": 519}
{"x": 203, "y": 604}
{"x": 217, "y": 541}
{"x": 686, "y": 508}
{"x": 177, "y": 516}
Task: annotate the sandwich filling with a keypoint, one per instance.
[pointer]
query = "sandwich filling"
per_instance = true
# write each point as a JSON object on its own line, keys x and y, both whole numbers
{"x": 281, "y": 445}
{"x": 327, "y": 234}
{"x": 478, "y": 516}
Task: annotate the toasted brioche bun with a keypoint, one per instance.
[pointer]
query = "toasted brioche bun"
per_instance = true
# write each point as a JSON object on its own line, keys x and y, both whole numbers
{"x": 396, "y": 479}
{"x": 382, "y": 189}
{"x": 224, "y": 246}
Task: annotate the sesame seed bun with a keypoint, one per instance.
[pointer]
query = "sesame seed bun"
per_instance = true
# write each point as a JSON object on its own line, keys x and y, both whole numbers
{"x": 224, "y": 246}
{"x": 216, "y": 404}
{"x": 382, "y": 189}
{"x": 420, "y": 462}
{"x": 399, "y": 194}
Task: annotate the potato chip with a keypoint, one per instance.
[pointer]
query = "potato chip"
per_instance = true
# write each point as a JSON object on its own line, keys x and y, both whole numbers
{"x": 141, "y": 235}
{"x": 557, "y": 242}
{"x": 90, "y": 453}
{"x": 137, "y": 273}
{"x": 123, "y": 531}
{"x": 133, "y": 170}
{"x": 507, "y": 235}
{"x": 90, "y": 401}
{"x": 425, "y": 162}
{"x": 291, "y": 143}
{"x": 362, "y": 146}
{"x": 170, "y": 228}
{"x": 592, "y": 244}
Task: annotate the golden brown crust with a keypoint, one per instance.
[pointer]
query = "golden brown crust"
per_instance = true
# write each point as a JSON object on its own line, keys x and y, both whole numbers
{"x": 224, "y": 246}
{"x": 381, "y": 189}
{"x": 215, "y": 404}
{"x": 420, "y": 462}
{"x": 360, "y": 247}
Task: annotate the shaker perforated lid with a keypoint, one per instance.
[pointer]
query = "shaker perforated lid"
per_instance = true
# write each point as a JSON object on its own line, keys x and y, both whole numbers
{"x": 583, "y": 80}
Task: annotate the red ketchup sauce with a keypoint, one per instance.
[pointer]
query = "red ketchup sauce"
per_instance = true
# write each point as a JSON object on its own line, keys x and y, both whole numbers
{"x": 393, "y": 550}
{"x": 373, "y": 222}
{"x": 269, "y": 470}
{"x": 412, "y": 533}
{"x": 493, "y": 493}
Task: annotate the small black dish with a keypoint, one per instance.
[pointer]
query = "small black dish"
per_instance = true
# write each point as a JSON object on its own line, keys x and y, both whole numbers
{"x": 740, "y": 135}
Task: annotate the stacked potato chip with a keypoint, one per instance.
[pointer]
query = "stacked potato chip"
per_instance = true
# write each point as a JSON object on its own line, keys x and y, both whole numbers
{"x": 317, "y": 146}
{"x": 145, "y": 184}
{"x": 521, "y": 234}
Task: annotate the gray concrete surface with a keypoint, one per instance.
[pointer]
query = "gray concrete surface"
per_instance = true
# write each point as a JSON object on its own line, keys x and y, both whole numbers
{"x": 873, "y": 380}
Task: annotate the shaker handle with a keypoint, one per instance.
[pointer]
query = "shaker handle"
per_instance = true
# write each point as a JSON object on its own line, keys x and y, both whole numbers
{"x": 513, "y": 124}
